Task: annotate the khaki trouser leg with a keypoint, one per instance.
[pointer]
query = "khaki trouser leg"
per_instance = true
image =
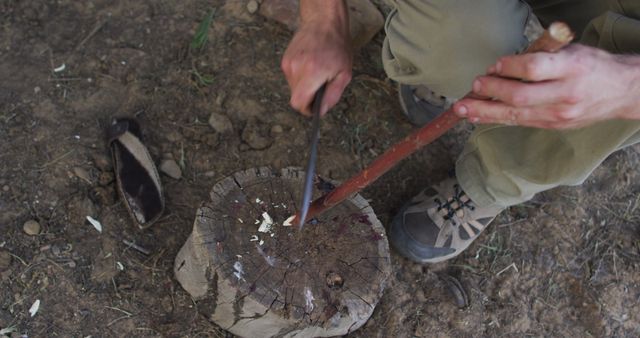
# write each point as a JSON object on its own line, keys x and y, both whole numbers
{"x": 444, "y": 44}
{"x": 505, "y": 165}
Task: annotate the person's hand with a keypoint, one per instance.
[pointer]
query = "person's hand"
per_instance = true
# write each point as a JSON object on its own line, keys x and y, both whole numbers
{"x": 572, "y": 88}
{"x": 320, "y": 52}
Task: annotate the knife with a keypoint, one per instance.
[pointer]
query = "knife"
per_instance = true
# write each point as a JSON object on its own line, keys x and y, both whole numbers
{"x": 307, "y": 190}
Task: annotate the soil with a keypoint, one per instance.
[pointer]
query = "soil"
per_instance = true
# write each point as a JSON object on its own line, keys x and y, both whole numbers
{"x": 564, "y": 264}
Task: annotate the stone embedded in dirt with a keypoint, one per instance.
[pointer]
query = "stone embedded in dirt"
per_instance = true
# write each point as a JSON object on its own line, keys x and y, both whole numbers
{"x": 82, "y": 174}
{"x": 220, "y": 98}
{"x": 5, "y": 260}
{"x": 105, "y": 178}
{"x": 171, "y": 168}
{"x": 254, "y": 135}
{"x": 31, "y": 227}
{"x": 365, "y": 20}
{"x": 102, "y": 162}
{"x": 252, "y": 6}
{"x": 220, "y": 123}
{"x": 236, "y": 9}
{"x": 277, "y": 129}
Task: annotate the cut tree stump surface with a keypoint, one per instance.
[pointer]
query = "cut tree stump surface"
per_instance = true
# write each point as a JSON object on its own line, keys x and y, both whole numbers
{"x": 255, "y": 277}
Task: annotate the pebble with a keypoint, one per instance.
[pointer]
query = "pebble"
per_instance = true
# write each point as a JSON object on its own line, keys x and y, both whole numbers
{"x": 31, "y": 227}
{"x": 220, "y": 123}
{"x": 5, "y": 188}
{"x": 5, "y": 260}
{"x": 220, "y": 99}
{"x": 252, "y": 136}
{"x": 105, "y": 178}
{"x": 171, "y": 168}
{"x": 252, "y": 6}
{"x": 82, "y": 174}
{"x": 102, "y": 162}
{"x": 277, "y": 129}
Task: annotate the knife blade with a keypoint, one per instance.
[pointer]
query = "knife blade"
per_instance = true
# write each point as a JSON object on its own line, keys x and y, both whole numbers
{"x": 307, "y": 191}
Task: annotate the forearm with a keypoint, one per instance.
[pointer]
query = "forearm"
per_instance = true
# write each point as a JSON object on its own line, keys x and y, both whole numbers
{"x": 327, "y": 13}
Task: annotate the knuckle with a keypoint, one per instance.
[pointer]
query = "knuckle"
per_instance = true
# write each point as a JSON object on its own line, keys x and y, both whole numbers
{"x": 285, "y": 65}
{"x": 295, "y": 102}
{"x": 564, "y": 114}
{"x": 572, "y": 97}
{"x": 519, "y": 99}
{"x": 532, "y": 68}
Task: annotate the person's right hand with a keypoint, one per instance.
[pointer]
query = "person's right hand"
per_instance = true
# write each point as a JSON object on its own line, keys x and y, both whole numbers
{"x": 320, "y": 52}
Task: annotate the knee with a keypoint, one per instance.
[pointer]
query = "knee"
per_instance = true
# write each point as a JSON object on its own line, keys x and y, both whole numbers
{"x": 444, "y": 44}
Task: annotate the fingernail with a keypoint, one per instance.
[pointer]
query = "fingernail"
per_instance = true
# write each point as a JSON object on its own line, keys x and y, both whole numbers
{"x": 498, "y": 67}
{"x": 477, "y": 86}
{"x": 461, "y": 110}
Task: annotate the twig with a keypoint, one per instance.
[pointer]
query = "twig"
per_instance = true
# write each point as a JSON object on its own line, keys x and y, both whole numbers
{"x": 512, "y": 223}
{"x": 117, "y": 320}
{"x": 136, "y": 247}
{"x": 95, "y": 30}
{"x": 18, "y": 258}
{"x": 120, "y": 310}
{"x": 44, "y": 166}
{"x": 512, "y": 265}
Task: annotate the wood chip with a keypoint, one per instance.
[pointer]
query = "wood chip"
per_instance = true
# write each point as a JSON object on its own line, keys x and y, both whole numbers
{"x": 34, "y": 308}
{"x": 95, "y": 223}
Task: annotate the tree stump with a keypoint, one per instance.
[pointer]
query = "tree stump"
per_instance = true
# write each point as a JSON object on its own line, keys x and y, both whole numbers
{"x": 256, "y": 277}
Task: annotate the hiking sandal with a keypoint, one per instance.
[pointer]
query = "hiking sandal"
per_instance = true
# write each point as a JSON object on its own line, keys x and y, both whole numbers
{"x": 136, "y": 174}
{"x": 439, "y": 223}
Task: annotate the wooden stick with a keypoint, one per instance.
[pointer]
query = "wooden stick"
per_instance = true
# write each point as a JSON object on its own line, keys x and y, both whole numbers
{"x": 553, "y": 39}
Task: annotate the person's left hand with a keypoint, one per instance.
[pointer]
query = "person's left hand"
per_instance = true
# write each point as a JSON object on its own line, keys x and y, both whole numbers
{"x": 572, "y": 88}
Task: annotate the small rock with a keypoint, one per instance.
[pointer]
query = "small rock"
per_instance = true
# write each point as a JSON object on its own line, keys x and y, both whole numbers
{"x": 420, "y": 296}
{"x": 102, "y": 162}
{"x": 105, "y": 178}
{"x": 220, "y": 123}
{"x": 82, "y": 174}
{"x": 5, "y": 260}
{"x": 252, "y": 6}
{"x": 5, "y": 188}
{"x": 220, "y": 98}
{"x": 171, "y": 168}
{"x": 255, "y": 137}
{"x": 31, "y": 227}
{"x": 277, "y": 129}
{"x": 174, "y": 137}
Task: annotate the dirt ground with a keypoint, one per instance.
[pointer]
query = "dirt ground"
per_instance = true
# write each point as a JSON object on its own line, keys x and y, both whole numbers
{"x": 565, "y": 264}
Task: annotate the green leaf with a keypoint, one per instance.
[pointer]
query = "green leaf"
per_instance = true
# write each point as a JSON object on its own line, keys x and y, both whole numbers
{"x": 200, "y": 38}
